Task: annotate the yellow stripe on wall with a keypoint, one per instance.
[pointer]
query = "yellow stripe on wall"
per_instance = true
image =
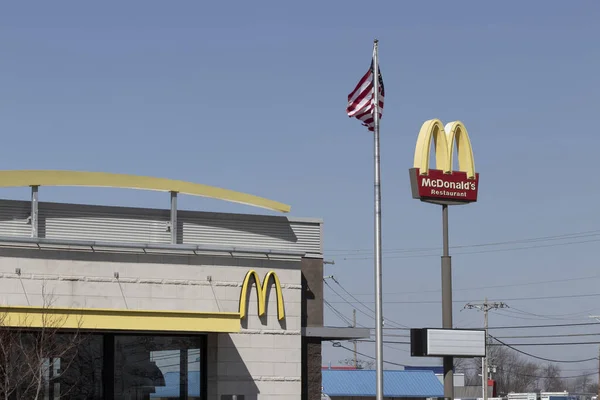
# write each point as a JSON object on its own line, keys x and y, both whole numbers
{"x": 113, "y": 319}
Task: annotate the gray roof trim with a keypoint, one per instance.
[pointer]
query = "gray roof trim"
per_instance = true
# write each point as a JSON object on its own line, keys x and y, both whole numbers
{"x": 180, "y": 212}
{"x": 314, "y": 255}
{"x": 307, "y": 220}
{"x": 336, "y": 333}
{"x": 174, "y": 249}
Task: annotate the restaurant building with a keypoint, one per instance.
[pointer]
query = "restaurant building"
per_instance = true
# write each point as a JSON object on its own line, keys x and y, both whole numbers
{"x": 101, "y": 302}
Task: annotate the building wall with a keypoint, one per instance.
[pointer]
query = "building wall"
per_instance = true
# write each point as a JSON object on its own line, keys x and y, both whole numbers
{"x": 263, "y": 361}
{"x": 312, "y": 315}
{"x": 459, "y": 379}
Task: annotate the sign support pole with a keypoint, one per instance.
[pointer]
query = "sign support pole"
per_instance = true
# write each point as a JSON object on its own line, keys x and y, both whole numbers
{"x": 445, "y": 187}
{"x": 378, "y": 280}
{"x": 447, "y": 303}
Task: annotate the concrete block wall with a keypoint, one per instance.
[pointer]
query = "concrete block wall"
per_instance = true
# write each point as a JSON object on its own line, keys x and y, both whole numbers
{"x": 150, "y": 283}
{"x": 262, "y": 362}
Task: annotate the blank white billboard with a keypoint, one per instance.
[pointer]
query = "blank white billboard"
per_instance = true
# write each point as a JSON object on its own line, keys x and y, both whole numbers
{"x": 455, "y": 342}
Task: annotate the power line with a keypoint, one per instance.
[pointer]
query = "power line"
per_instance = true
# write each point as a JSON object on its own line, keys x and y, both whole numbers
{"x": 575, "y": 235}
{"x": 385, "y": 341}
{"x": 516, "y": 373}
{"x": 544, "y": 326}
{"x": 394, "y": 335}
{"x": 337, "y": 313}
{"x": 517, "y": 364}
{"x": 509, "y": 315}
{"x": 506, "y": 299}
{"x": 361, "y": 303}
{"x": 550, "y": 344}
{"x": 364, "y": 305}
{"x": 546, "y": 377}
{"x": 551, "y": 316}
{"x": 536, "y": 317}
{"x": 541, "y": 358}
{"x": 389, "y": 346}
{"x": 520, "y": 314}
{"x": 483, "y": 251}
{"x": 538, "y": 336}
{"x": 345, "y": 301}
{"x": 502, "y": 343}
{"x": 508, "y": 285}
{"x": 526, "y": 326}
{"x": 338, "y": 344}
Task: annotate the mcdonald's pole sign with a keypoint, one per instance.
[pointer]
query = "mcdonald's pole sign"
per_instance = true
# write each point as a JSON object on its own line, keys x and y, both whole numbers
{"x": 442, "y": 185}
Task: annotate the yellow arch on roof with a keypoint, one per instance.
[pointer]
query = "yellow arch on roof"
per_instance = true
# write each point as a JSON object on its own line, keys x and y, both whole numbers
{"x": 124, "y": 181}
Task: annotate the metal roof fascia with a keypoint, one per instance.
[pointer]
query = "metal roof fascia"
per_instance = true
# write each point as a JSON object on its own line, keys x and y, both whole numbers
{"x": 149, "y": 246}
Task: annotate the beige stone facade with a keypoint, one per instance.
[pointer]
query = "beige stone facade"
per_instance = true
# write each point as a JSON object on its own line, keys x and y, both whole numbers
{"x": 261, "y": 361}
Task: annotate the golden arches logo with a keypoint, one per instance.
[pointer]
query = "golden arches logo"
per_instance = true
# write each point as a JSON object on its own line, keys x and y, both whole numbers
{"x": 261, "y": 293}
{"x": 444, "y": 138}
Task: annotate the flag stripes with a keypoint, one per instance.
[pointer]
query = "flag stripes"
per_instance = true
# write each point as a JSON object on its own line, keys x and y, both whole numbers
{"x": 361, "y": 101}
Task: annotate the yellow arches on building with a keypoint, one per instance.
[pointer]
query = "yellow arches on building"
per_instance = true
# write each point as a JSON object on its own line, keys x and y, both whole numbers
{"x": 102, "y": 179}
{"x": 261, "y": 294}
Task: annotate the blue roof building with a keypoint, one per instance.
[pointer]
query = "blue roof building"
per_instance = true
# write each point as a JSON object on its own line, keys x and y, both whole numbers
{"x": 361, "y": 383}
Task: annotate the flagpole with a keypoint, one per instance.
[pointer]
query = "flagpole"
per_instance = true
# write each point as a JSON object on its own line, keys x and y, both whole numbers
{"x": 378, "y": 278}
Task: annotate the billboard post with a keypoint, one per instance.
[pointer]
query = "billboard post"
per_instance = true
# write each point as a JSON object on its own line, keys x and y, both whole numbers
{"x": 445, "y": 187}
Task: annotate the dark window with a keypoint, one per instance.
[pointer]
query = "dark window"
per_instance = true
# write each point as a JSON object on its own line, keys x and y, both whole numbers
{"x": 157, "y": 367}
{"x": 76, "y": 370}
{"x": 50, "y": 365}
{"x": 83, "y": 366}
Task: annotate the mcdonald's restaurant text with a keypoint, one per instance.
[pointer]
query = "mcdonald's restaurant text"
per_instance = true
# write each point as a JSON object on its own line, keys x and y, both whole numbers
{"x": 439, "y": 186}
{"x": 442, "y": 184}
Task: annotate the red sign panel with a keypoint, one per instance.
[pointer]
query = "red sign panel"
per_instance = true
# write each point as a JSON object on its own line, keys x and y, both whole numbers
{"x": 442, "y": 188}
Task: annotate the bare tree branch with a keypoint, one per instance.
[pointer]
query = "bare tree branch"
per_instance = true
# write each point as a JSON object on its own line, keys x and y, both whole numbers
{"x": 27, "y": 352}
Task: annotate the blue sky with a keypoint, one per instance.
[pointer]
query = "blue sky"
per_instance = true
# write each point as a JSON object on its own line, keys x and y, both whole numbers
{"x": 251, "y": 96}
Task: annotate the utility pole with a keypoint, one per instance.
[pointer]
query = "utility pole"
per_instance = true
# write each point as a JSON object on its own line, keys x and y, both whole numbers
{"x": 485, "y": 307}
{"x": 355, "y": 344}
{"x": 597, "y": 318}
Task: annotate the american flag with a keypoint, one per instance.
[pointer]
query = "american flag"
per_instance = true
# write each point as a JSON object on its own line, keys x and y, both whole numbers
{"x": 362, "y": 100}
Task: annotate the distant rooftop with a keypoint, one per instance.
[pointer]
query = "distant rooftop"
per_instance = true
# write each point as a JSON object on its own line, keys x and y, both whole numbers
{"x": 361, "y": 383}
